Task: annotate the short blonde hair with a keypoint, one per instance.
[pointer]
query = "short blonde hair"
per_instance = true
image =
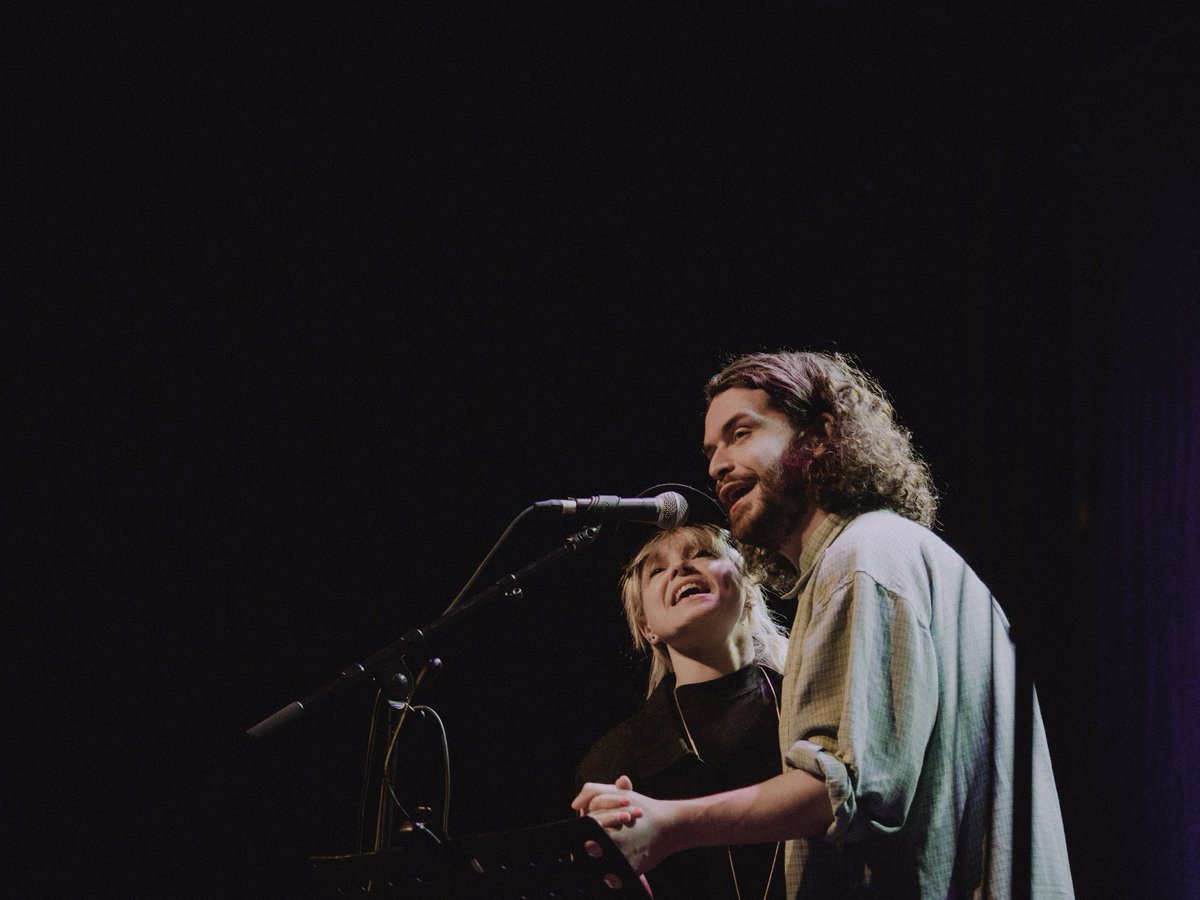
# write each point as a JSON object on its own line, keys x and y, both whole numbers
{"x": 767, "y": 637}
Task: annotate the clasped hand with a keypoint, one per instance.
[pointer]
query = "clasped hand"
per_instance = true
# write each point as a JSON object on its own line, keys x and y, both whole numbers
{"x": 637, "y": 824}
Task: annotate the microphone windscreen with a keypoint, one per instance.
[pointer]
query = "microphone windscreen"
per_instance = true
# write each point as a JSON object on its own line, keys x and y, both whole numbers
{"x": 672, "y": 510}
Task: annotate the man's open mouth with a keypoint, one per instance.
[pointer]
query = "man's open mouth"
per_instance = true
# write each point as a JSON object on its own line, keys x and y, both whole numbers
{"x": 732, "y": 493}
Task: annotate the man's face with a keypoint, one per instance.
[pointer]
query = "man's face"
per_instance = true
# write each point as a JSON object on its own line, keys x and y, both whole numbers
{"x": 756, "y": 459}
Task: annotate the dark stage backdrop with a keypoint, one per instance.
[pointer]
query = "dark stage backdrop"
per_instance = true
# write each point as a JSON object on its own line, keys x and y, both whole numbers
{"x": 323, "y": 299}
{"x": 1136, "y": 583}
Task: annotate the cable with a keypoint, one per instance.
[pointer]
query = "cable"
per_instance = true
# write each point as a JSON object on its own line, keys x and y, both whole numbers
{"x": 499, "y": 543}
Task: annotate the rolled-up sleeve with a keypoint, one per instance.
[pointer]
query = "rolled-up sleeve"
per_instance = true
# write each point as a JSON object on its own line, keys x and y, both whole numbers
{"x": 865, "y": 704}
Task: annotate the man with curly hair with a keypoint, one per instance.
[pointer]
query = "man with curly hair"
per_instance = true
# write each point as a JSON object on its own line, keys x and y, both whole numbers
{"x": 897, "y": 723}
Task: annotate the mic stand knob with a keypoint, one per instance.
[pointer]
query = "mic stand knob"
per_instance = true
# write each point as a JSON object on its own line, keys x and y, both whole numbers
{"x": 395, "y": 680}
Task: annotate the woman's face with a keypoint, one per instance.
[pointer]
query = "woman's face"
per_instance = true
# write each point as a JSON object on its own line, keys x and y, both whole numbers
{"x": 691, "y": 595}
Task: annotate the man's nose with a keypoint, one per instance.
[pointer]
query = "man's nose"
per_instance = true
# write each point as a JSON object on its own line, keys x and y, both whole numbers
{"x": 719, "y": 464}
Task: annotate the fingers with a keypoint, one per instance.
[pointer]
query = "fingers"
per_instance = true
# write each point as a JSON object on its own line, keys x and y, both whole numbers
{"x": 602, "y": 802}
{"x": 617, "y": 818}
{"x": 613, "y": 810}
{"x": 587, "y": 792}
{"x": 583, "y": 801}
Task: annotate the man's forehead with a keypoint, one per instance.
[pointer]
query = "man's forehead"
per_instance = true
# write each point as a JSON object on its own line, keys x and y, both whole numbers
{"x": 727, "y": 407}
{"x": 733, "y": 401}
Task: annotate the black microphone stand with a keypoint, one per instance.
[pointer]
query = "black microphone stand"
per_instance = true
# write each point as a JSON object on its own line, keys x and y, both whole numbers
{"x": 575, "y": 857}
{"x": 388, "y": 666}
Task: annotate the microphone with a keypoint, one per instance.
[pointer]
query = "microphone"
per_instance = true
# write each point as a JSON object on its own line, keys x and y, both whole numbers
{"x": 667, "y": 510}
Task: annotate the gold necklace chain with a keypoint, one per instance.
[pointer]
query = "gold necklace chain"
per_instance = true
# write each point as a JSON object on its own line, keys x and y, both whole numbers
{"x": 692, "y": 742}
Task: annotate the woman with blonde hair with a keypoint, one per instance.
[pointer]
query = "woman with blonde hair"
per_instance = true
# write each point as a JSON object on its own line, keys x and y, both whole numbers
{"x": 709, "y": 721}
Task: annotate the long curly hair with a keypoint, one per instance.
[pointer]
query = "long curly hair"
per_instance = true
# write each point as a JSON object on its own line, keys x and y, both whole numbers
{"x": 873, "y": 463}
{"x": 765, "y": 639}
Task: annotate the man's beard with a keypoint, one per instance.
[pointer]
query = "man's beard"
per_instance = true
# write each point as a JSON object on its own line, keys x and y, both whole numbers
{"x": 782, "y": 496}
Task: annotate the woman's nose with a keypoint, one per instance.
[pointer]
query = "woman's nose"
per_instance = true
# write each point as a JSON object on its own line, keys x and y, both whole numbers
{"x": 685, "y": 567}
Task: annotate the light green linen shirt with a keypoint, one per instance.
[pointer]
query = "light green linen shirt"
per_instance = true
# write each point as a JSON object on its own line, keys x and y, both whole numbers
{"x": 898, "y": 693}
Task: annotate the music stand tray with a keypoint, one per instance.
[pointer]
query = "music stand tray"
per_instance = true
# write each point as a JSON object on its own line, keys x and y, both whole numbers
{"x": 548, "y": 862}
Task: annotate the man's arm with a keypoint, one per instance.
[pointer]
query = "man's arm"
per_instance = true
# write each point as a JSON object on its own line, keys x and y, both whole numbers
{"x": 793, "y": 805}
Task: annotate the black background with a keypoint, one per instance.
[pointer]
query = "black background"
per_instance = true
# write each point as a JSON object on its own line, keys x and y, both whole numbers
{"x": 324, "y": 298}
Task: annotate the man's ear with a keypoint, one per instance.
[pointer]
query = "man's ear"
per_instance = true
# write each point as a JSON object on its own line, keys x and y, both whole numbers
{"x": 822, "y": 434}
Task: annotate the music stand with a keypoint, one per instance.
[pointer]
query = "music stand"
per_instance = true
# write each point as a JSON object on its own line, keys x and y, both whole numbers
{"x": 548, "y": 862}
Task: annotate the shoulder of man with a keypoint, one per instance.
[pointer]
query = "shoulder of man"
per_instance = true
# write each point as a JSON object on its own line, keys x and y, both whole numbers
{"x": 883, "y": 530}
{"x": 895, "y": 551}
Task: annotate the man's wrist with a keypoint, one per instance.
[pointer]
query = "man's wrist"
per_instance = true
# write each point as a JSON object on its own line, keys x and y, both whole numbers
{"x": 692, "y": 824}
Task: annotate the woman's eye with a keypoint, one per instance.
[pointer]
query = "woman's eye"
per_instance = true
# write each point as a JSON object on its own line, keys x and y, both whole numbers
{"x": 705, "y": 553}
{"x": 655, "y": 571}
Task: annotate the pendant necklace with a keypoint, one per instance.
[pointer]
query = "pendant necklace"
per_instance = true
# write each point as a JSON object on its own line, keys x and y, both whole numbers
{"x": 692, "y": 743}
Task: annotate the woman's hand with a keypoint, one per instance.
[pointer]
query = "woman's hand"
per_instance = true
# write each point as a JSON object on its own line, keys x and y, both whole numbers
{"x": 638, "y": 825}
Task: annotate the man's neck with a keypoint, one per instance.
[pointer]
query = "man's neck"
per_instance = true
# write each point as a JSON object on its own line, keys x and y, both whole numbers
{"x": 793, "y": 544}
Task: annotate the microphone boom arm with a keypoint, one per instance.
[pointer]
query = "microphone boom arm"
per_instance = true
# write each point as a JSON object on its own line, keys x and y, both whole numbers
{"x": 387, "y": 664}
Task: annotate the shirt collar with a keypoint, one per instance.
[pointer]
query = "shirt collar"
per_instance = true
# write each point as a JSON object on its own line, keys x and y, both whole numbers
{"x": 822, "y": 536}
{"x": 660, "y": 747}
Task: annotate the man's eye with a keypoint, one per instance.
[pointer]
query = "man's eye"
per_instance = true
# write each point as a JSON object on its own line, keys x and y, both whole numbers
{"x": 740, "y": 433}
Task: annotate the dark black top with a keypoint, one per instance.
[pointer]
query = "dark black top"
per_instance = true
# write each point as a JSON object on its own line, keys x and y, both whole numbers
{"x": 735, "y": 724}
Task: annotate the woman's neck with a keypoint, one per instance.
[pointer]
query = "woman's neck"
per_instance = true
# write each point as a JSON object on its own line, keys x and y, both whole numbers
{"x": 693, "y": 668}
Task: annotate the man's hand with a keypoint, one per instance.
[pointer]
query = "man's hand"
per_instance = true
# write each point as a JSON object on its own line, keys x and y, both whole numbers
{"x": 638, "y": 825}
{"x": 791, "y": 805}
{"x": 609, "y": 804}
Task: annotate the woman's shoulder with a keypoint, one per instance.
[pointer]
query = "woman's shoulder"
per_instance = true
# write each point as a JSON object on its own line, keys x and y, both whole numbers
{"x": 611, "y": 755}
{"x": 635, "y": 744}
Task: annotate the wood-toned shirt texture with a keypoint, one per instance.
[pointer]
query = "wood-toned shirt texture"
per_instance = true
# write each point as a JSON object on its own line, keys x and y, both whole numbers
{"x": 898, "y": 693}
